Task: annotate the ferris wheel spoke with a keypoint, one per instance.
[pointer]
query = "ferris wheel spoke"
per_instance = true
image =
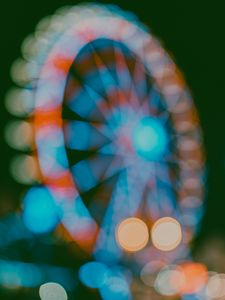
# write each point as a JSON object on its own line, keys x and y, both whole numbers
{"x": 115, "y": 167}
{"x": 160, "y": 201}
{"x": 139, "y": 83}
{"x": 108, "y": 149}
{"x": 90, "y": 90}
{"x": 171, "y": 160}
{"x": 125, "y": 79}
{"x": 159, "y": 194}
{"x": 84, "y": 102}
{"x": 89, "y": 172}
{"x": 98, "y": 80}
{"x": 164, "y": 118}
{"x": 106, "y": 248}
{"x": 104, "y": 129}
{"x": 81, "y": 135}
{"x": 162, "y": 174}
{"x": 155, "y": 101}
{"x": 108, "y": 79}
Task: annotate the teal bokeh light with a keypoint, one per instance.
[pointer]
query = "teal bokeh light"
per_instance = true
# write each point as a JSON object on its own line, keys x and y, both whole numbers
{"x": 116, "y": 288}
{"x": 149, "y": 138}
{"x": 94, "y": 274}
{"x": 40, "y": 213}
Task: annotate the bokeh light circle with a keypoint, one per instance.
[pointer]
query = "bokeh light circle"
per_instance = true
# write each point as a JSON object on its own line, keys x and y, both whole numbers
{"x": 169, "y": 281}
{"x": 150, "y": 271}
{"x": 19, "y": 135}
{"x": 166, "y": 234}
{"x": 25, "y": 169}
{"x": 40, "y": 212}
{"x": 132, "y": 234}
{"x": 215, "y": 287}
{"x": 116, "y": 288}
{"x": 93, "y": 274}
{"x": 195, "y": 277}
{"x": 52, "y": 291}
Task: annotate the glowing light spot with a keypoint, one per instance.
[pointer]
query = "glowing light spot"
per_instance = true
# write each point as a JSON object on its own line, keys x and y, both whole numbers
{"x": 166, "y": 234}
{"x": 23, "y": 71}
{"x": 195, "y": 276}
{"x": 28, "y": 47}
{"x": 19, "y": 135}
{"x": 215, "y": 288}
{"x": 40, "y": 213}
{"x": 10, "y": 276}
{"x": 94, "y": 274}
{"x": 116, "y": 288}
{"x": 169, "y": 281}
{"x": 14, "y": 274}
{"x": 43, "y": 24}
{"x": 183, "y": 126}
{"x": 132, "y": 234}
{"x": 149, "y": 272}
{"x": 19, "y": 102}
{"x": 52, "y": 291}
{"x": 24, "y": 169}
{"x": 149, "y": 139}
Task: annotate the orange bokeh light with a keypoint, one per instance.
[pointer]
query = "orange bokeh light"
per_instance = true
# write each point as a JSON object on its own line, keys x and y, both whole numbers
{"x": 195, "y": 277}
{"x": 132, "y": 234}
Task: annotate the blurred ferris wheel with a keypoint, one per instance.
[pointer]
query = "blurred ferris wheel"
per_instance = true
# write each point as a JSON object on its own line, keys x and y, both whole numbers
{"x": 113, "y": 137}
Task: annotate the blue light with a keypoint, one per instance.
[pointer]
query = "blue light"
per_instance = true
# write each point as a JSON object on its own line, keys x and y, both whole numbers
{"x": 15, "y": 274}
{"x": 116, "y": 288}
{"x": 40, "y": 213}
{"x": 93, "y": 274}
{"x": 191, "y": 297}
{"x": 149, "y": 138}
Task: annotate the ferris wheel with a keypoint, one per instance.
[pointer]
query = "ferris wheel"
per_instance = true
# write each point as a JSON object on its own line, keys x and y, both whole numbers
{"x": 116, "y": 133}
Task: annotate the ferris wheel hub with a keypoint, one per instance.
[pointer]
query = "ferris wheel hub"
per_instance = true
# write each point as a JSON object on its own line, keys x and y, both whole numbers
{"x": 149, "y": 138}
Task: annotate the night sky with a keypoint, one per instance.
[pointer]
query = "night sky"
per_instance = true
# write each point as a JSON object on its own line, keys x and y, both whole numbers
{"x": 192, "y": 33}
